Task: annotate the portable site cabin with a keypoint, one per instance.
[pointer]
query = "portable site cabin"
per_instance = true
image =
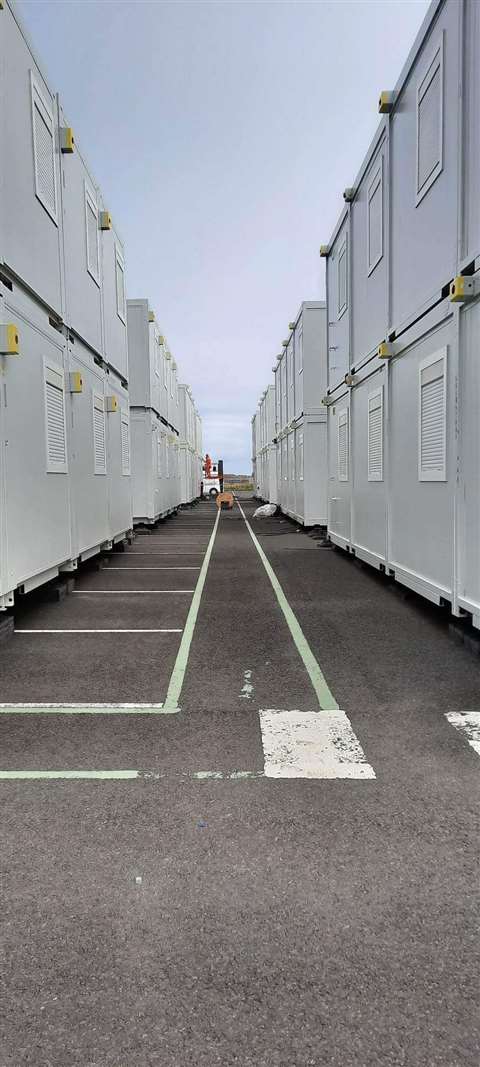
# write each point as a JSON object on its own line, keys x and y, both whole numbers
{"x": 95, "y": 313}
{"x": 198, "y": 460}
{"x": 255, "y": 464}
{"x": 189, "y": 481}
{"x": 52, "y": 359}
{"x": 403, "y": 289}
{"x": 266, "y": 466}
{"x": 301, "y": 420}
{"x": 152, "y": 466}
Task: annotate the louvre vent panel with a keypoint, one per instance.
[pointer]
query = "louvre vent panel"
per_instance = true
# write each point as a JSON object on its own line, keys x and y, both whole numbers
{"x": 432, "y": 443}
{"x": 343, "y": 447}
{"x": 375, "y": 438}
{"x": 56, "y": 442}
{"x": 44, "y": 160}
{"x": 125, "y": 446}
{"x": 99, "y": 437}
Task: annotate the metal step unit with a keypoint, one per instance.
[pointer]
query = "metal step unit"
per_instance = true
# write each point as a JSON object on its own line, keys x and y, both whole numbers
{"x": 403, "y": 294}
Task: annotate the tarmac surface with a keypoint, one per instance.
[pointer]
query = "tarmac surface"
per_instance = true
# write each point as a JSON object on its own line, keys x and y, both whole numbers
{"x": 172, "y": 919}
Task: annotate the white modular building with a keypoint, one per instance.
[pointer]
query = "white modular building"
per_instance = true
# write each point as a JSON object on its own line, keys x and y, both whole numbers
{"x": 95, "y": 314}
{"x": 255, "y": 481}
{"x": 190, "y": 474}
{"x": 266, "y": 449}
{"x": 301, "y": 420}
{"x": 166, "y": 428}
{"x": 63, "y": 352}
{"x": 403, "y": 291}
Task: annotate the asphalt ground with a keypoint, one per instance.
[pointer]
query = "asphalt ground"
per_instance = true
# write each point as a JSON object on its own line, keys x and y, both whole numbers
{"x": 267, "y": 923}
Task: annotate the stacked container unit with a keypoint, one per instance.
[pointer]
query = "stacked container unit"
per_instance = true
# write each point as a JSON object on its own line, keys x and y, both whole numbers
{"x": 153, "y": 476}
{"x": 265, "y": 460}
{"x": 166, "y": 428}
{"x": 189, "y": 473}
{"x": 403, "y": 284}
{"x": 52, "y": 350}
{"x": 301, "y": 420}
{"x": 198, "y": 457}
{"x": 255, "y": 456}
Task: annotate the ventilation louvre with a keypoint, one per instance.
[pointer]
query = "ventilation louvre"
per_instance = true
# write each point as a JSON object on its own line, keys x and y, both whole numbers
{"x": 343, "y": 446}
{"x": 55, "y": 421}
{"x": 432, "y": 420}
{"x": 125, "y": 432}
{"x": 44, "y": 151}
{"x": 100, "y": 457}
{"x": 375, "y": 436}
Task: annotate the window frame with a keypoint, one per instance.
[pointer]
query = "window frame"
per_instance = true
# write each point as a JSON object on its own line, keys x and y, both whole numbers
{"x": 299, "y": 339}
{"x": 372, "y": 477}
{"x": 120, "y": 261}
{"x": 441, "y": 475}
{"x": 429, "y": 72}
{"x": 376, "y": 181}
{"x": 90, "y": 202}
{"x": 343, "y": 251}
{"x": 45, "y": 110}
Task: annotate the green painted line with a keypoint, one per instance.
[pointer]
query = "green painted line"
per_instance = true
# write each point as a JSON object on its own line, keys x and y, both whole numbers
{"x": 85, "y": 709}
{"x": 325, "y": 698}
{"x": 178, "y": 674}
{"x": 49, "y": 775}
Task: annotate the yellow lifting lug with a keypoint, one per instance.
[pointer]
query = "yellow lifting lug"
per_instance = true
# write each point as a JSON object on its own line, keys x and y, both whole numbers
{"x": 386, "y": 101}
{"x": 105, "y": 220}
{"x": 76, "y": 382}
{"x": 9, "y": 340}
{"x": 111, "y": 403}
{"x": 385, "y": 350}
{"x": 324, "y": 251}
{"x": 462, "y": 289}
{"x": 67, "y": 140}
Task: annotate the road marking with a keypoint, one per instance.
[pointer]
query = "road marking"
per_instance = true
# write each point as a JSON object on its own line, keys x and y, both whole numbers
{"x": 118, "y": 592}
{"x": 49, "y": 775}
{"x": 247, "y": 688}
{"x": 468, "y": 723}
{"x": 170, "y": 567}
{"x": 317, "y": 744}
{"x": 325, "y": 698}
{"x": 226, "y": 776}
{"x": 181, "y": 662}
{"x": 120, "y": 775}
{"x": 83, "y": 709}
{"x": 98, "y": 631}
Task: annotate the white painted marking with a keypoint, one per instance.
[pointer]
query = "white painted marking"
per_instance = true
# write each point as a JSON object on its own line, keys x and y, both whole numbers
{"x": 106, "y": 775}
{"x": 468, "y": 723}
{"x": 82, "y": 709}
{"x": 168, "y": 568}
{"x": 318, "y": 744}
{"x": 247, "y": 688}
{"x": 117, "y": 592}
{"x": 176, "y": 631}
{"x": 178, "y": 674}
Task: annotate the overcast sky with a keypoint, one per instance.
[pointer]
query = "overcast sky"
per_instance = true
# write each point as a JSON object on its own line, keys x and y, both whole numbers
{"x": 223, "y": 135}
